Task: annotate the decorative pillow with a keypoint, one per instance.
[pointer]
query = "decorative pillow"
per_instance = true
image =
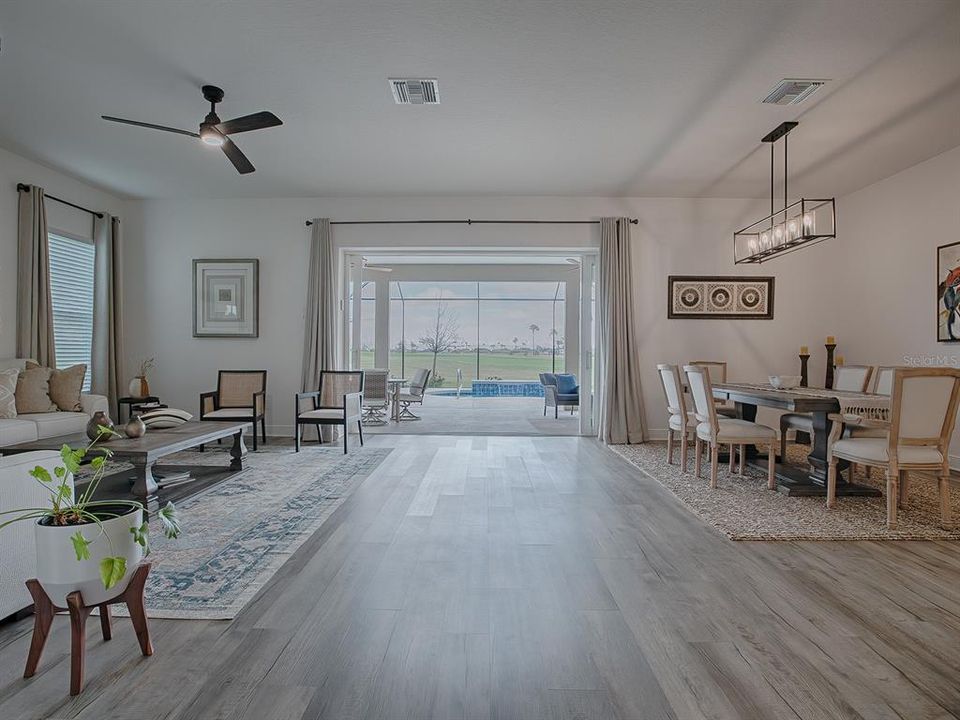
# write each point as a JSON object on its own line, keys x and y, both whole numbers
{"x": 8, "y": 389}
{"x": 66, "y": 386}
{"x": 33, "y": 391}
{"x": 567, "y": 384}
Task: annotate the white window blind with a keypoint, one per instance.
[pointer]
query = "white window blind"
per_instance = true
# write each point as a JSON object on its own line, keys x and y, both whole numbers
{"x": 71, "y": 288}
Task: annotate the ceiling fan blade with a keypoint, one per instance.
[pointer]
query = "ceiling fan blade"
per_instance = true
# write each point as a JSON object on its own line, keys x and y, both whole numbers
{"x": 237, "y": 157}
{"x": 247, "y": 123}
{"x": 150, "y": 125}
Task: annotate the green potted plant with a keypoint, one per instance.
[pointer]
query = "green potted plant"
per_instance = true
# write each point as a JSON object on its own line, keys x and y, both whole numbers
{"x": 84, "y": 544}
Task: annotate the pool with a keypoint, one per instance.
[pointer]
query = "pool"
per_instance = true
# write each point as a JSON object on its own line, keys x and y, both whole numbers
{"x": 496, "y": 388}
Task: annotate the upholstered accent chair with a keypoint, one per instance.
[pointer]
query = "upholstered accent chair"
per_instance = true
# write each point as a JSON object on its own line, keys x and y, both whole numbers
{"x": 682, "y": 421}
{"x": 850, "y": 378}
{"x": 718, "y": 374}
{"x": 240, "y": 395}
{"x": 922, "y": 416}
{"x": 715, "y": 430}
{"x": 412, "y": 394}
{"x": 339, "y": 401}
{"x": 375, "y": 397}
{"x": 559, "y": 390}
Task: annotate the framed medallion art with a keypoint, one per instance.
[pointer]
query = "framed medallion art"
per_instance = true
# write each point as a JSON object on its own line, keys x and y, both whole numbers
{"x": 719, "y": 298}
{"x": 948, "y": 293}
{"x": 226, "y": 298}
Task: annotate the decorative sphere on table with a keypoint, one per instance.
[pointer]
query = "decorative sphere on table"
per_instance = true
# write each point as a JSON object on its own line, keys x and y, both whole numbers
{"x": 135, "y": 427}
{"x": 93, "y": 426}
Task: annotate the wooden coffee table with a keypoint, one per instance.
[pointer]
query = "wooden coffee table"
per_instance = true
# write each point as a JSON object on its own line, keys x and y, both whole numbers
{"x": 143, "y": 453}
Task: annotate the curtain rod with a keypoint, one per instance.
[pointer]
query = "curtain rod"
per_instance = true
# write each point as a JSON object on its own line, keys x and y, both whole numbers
{"x": 633, "y": 221}
{"x": 22, "y": 187}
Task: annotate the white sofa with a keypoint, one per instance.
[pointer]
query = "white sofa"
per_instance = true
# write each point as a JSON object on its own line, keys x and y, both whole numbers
{"x": 18, "y": 559}
{"x": 36, "y": 426}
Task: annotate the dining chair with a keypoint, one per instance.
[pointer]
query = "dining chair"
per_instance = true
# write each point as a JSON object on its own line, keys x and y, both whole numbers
{"x": 338, "y": 401}
{"x": 413, "y": 394}
{"x": 681, "y": 420}
{"x": 716, "y": 430}
{"x": 883, "y": 380}
{"x": 240, "y": 395}
{"x": 718, "y": 373}
{"x": 375, "y": 397}
{"x": 848, "y": 378}
{"x": 922, "y": 415}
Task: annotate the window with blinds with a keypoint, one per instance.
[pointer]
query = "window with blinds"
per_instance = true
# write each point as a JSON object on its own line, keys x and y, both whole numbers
{"x": 71, "y": 288}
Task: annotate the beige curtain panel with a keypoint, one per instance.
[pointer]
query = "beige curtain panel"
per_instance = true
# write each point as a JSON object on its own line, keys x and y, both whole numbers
{"x": 620, "y": 400}
{"x": 34, "y": 305}
{"x": 106, "y": 371}
{"x": 319, "y": 339}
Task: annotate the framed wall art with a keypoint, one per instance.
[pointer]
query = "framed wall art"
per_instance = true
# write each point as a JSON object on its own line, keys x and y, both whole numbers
{"x": 719, "y": 298}
{"x": 948, "y": 293}
{"x": 226, "y": 298}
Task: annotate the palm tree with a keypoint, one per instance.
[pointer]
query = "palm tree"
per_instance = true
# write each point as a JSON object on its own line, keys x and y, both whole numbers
{"x": 534, "y": 328}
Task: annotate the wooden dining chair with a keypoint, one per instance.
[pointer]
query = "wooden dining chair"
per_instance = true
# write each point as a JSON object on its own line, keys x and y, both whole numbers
{"x": 849, "y": 378}
{"x": 718, "y": 374}
{"x": 716, "y": 431}
{"x": 681, "y": 421}
{"x": 883, "y": 380}
{"x": 922, "y": 416}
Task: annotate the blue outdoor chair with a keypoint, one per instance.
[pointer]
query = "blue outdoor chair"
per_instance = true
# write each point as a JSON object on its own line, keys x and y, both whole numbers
{"x": 559, "y": 389}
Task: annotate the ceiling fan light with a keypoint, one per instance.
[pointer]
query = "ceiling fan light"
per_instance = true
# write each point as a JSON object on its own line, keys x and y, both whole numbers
{"x": 211, "y": 136}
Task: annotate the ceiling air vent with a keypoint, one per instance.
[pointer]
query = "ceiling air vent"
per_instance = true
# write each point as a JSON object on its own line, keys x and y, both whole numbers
{"x": 791, "y": 91}
{"x": 415, "y": 91}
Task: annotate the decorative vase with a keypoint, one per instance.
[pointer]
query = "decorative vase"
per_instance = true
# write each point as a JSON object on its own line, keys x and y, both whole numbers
{"x": 59, "y": 571}
{"x": 93, "y": 427}
{"x": 135, "y": 427}
{"x": 139, "y": 387}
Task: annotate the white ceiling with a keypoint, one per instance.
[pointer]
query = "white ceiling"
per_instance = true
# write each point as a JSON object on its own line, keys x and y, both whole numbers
{"x": 539, "y": 97}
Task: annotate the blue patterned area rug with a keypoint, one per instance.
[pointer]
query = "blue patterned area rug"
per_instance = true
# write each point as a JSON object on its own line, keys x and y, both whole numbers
{"x": 239, "y": 532}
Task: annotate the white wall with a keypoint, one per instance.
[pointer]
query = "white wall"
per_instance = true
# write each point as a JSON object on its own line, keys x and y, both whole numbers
{"x": 872, "y": 287}
{"x": 14, "y": 169}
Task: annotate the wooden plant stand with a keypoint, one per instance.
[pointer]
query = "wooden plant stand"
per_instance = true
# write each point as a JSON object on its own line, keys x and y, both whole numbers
{"x": 45, "y": 610}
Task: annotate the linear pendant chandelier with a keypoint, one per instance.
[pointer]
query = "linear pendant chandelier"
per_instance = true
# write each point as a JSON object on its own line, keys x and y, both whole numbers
{"x": 804, "y": 222}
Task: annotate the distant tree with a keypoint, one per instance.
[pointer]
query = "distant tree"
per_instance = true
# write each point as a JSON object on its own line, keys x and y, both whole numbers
{"x": 534, "y": 329}
{"x": 516, "y": 341}
{"x": 445, "y": 335}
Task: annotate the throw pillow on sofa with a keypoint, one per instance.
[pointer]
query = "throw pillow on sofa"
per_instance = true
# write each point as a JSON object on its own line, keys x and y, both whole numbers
{"x": 33, "y": 391}
{"x": 8, "y": 390}
{"x": 66, "y": 386}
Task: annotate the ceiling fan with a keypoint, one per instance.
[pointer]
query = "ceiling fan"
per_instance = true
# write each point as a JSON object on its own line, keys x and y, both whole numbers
{"x": 214, "y": 132}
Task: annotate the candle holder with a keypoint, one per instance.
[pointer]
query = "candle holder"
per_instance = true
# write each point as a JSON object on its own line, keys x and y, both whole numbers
{"x": 828, "y": 382}
{"x": 804, "y": 379}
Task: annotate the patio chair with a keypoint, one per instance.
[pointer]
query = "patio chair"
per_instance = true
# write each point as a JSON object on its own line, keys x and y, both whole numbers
{"x": 559, "y": 390}
{"x": 240, "y": 395}
{"x": 413, "y": 394}
{"x": 375, "y": 399}
{"x": 339, "y": 401}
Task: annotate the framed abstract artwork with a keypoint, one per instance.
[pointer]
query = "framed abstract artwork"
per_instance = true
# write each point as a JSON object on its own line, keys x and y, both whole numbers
{"x": 948, "y": 293}
{"x": 719, "y": 298}
{"x": 226, "y": 298}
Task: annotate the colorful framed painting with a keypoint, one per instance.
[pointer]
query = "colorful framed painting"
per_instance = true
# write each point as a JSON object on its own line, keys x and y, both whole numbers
{"x": 948, "y": 293}
{"x": 719, "y": 298}
{"x": 226, "y": 298}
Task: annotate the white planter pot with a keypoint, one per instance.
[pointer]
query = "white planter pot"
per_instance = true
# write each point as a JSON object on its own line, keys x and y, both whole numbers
{"x": 59, "y": 571}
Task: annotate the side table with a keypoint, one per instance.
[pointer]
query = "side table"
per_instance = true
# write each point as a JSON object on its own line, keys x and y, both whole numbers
{"x": 132, "y": 403}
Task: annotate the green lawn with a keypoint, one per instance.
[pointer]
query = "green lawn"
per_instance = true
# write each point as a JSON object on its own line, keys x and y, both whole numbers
{"x": 505, "y": 366}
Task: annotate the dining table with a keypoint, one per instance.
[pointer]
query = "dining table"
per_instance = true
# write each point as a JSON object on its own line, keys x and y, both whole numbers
{"x": 809, "y": 479}
{"x": 394, "y": 389}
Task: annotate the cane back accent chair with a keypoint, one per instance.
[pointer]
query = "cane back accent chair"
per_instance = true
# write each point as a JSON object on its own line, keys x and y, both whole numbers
{"x": 240, "y": 395}
{"x": 339, "y": 401}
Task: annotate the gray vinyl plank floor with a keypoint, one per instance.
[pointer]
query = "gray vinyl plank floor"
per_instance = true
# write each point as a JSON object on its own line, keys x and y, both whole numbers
{"x": 542, "y": 578}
